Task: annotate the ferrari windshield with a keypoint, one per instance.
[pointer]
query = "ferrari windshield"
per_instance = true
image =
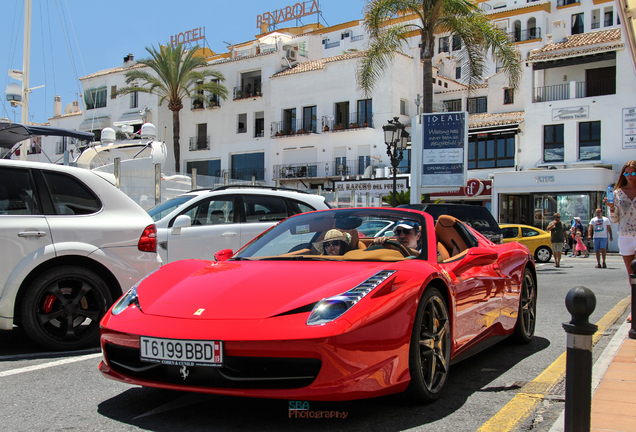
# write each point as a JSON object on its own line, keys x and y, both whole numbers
{"x": 336, "y": 235}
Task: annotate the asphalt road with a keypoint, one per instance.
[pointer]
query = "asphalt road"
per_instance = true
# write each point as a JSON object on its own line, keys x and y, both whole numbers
{"x": 55, "y": 392}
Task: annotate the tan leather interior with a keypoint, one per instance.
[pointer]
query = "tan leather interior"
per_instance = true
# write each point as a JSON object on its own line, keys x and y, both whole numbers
{"x": 448, "y": 236}
{"x": 442, "y": 253}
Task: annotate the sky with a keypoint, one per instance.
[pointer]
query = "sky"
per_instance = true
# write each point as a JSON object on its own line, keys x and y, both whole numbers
{"x": 72, "y": 38}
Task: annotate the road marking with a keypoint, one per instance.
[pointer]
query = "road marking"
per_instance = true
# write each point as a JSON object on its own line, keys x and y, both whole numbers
{"x": 48, "y": 365}
{"x": 532, "y": 394}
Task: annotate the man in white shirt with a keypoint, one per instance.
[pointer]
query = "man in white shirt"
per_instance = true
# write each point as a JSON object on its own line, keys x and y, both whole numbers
{"x": 600, "y": 226}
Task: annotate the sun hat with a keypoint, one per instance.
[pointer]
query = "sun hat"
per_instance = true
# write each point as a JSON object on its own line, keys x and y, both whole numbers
{"x": 332, "y": 235}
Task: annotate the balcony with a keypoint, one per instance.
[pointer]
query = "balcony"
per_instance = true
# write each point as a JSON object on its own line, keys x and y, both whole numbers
{"x": 316, "y": 169}
{"x": 567, "y": 2}
{"x": 293, "y": 127}
{"x": 356, "y": 122}
{"x": 332, "y": 44}
{"x": 582, "y": 89}
{"x": 525, "y": 35}
{"x": 247, "y": 92}
{"x": 200, "y": 143}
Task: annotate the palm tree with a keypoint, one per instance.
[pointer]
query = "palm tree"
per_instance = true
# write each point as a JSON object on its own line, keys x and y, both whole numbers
{"x": 177, "y": 74}
{"x": 389, "y": 26}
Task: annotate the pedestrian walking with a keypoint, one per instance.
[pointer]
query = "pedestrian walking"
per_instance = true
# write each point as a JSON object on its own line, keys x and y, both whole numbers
{"x": 601, "y": 228}
{"x": 576, "y": 226}
{"x": 623, "y": 212}
{"x": 557, "y": 238}
{"x": 580, "y": 246}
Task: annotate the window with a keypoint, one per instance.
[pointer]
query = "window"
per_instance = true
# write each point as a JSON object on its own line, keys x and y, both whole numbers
{"x": 363, "y": 163}
{"x": 248, "y": 165}
{"x": 241, "y": 126}
{"x": 609, "y": 18}
{"x": 289, "y": 120}
{"x": 198, "y": 103}
{"x": 205, "y": 168}
{"x": 453, "y": 105}
{"x": 457, "y": 43}
{"x": 215, "y": 211}
{"x": 113, "y": 92}
{"x": 213, "y": 99}
{"x": 405, "y": 164}
{"x": 259, "y": 124}
{"x": 309, "y": 119}
{"x": 17, "y": 196}
{"x": 341, "y": 166}
{"x": 95, "y": 98}
{"x": 458, "y": 72}
{"x": 264, "y": 208}
{"x": 342, "y": 114}
{"x": 134, "y": 99}
{"x": 345, "y": 35}
{"x": 478, "y": 105}
{"x": 509, "y": 96}
{"x": 69, "y": 195}
{"x": 202, "y": 137}
{"x": 491, "y": 151}
{"x": 577, "y": 24}
{"x": 302, "y": 49}
{"x": 403, "y": 107}
{"x": 444, "y": 44}
{"x": 529, "y": 232}
{"x": 364, "y": 112}
{"x": 553, "y": 149}
{"x": 590, "y": 140}
{"x": 510, "y": 232}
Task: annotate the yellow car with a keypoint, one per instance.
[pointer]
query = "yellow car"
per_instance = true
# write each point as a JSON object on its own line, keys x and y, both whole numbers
{"x": 538, "y": 241}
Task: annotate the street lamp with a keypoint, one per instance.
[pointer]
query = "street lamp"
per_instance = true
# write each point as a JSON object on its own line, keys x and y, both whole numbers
{"x": 395, "y": 138}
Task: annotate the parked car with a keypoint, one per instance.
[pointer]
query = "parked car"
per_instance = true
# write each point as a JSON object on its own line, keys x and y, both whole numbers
{"x": 71, "y": 244}
{"x": 377, "y": 228}
{"x": 476, "y": 216}
{"x": 535, "y": 239}
{"x": 281, "y": 319}
{"x": 201, "y": 222}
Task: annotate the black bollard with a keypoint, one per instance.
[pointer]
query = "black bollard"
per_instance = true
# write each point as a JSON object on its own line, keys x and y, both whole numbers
{"x": 632, "y": 331}
{"x": 580, "y": 302}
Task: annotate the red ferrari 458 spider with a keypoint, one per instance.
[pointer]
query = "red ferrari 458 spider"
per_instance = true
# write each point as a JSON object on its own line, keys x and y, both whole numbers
{"x": 313, "y": 310}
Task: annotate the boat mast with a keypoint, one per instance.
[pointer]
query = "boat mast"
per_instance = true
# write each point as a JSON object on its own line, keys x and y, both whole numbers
{"x": 26, "y": 60}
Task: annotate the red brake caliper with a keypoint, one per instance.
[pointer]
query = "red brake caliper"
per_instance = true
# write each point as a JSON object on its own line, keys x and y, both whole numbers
{"x": 48, "y": 303}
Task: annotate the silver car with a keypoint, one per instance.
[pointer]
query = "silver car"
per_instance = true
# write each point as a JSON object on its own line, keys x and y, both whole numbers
{"x": 71, "y": 244}
{"x": 202, "y": 222}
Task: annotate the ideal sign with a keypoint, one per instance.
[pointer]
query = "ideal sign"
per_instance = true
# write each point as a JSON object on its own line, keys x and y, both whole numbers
{"x": 444, "y": 138}
{"x": 287, "y": 13}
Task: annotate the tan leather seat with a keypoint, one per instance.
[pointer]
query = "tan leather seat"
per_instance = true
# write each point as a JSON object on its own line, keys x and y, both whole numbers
{"x": 448, "y": 236}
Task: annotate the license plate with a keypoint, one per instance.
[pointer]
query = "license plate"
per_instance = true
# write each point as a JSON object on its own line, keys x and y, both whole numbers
{"x": 181, "y": 352}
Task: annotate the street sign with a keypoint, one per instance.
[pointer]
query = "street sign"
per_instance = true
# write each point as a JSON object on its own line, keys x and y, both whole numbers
{"x": 444, "y": 143}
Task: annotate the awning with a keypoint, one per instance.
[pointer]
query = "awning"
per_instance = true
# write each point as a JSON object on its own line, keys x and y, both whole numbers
{"x": 96, "y": 123}
{"x": 130, "y": 118}
{"x": 12, "y": 133}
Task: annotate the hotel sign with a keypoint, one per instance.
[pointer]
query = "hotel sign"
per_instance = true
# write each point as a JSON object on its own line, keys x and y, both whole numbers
{"x": 288, "y": 13}
{"x": 188, "y": 36}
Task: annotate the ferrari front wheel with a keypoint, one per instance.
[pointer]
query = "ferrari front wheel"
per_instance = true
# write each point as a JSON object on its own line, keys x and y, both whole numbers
{"x": 527, "y": 315}
{"x": 429, "y": 354}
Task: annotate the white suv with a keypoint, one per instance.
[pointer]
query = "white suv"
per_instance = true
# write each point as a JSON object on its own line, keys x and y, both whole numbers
{"x": 71, "y": 244}
{"x": 201, "y": 222}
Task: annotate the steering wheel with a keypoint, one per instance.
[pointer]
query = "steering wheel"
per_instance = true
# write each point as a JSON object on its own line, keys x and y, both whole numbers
{"x": 397, "y": 246}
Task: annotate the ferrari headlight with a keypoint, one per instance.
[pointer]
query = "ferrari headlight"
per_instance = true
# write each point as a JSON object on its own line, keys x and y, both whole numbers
{"x": 130, "y": 298}
{"x": 327, "y": 310}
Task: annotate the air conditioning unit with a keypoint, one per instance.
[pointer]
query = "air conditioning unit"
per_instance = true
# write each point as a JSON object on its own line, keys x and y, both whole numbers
{"x": 291, "y": 54}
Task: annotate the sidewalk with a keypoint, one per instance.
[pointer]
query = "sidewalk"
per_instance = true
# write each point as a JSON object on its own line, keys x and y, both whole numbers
{"x": 613, "y": 386}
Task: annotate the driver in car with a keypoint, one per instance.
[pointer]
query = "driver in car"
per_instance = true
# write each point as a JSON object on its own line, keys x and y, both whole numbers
{"x": 408, "y": 234}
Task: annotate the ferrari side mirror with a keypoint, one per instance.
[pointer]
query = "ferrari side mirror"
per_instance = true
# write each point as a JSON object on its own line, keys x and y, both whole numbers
{"x": 223, "y": 255}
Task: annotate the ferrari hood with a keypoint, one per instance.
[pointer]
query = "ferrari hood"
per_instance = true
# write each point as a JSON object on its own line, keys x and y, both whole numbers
{"x": 247, "y": 289}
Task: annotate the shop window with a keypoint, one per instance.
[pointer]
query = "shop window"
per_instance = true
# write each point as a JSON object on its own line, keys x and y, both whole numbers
{"x": 590, "y": 140}
{"x": 553, "y": 149}
{"x": 491, "y": 151}
{"x": 444, "y": 44}
{"x": 477, "y": 105}
{"x": 509, "y": 96}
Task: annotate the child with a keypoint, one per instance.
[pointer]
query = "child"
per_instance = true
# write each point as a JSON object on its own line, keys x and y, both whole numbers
{"x": 580, "y": 246}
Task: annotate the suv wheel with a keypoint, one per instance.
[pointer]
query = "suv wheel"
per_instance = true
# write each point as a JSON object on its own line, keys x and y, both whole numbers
{"x": 63, "y": 307}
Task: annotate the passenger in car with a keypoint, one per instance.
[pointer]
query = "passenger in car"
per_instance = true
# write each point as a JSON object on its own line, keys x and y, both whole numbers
{"x": 335, "y": 243}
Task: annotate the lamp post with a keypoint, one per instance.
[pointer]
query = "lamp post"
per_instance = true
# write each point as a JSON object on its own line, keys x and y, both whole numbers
{"x": 395, "y": 138}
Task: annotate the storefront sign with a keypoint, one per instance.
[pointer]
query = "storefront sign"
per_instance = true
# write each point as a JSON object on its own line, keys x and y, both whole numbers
{"x": 288, "y": 13}
{"x": 544, "y": 179}
{"x": 444, "y": 138}
{"x": 188, "y": 36}
{"x": 629, "y": 128}
{"x": 473, "y": 188}
{"x": 570, "y": 113}
{"x": 373, "y": 187}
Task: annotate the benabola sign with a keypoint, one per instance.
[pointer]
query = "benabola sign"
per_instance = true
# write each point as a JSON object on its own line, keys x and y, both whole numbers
{"x": 287, "y": 13}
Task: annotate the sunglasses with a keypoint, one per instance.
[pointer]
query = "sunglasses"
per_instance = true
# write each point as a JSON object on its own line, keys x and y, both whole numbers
{"x": 557, "y": 217}
{"x": 628, "y": 174}
{"x": 399, "y": 231}
{"x": 332, "y": 243}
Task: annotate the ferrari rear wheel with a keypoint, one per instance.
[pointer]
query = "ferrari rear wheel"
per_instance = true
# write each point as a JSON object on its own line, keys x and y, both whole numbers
{"x": 527, "y": 316}
{"x": 429, "y": 354}
{"x": 543, "y": 254}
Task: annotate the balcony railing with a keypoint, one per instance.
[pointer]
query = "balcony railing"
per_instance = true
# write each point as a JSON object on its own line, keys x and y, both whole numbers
{"x": 355, "y": 122}
{"x": 609, "y": 22}
{"x": 525, "y": 35}
{"x": 596, "y": 25}
{"x": 248, "y": 91}
{"x": 583, "y": 89}
{"x": 357, "y": 38}
{"x": 293, "y": 127}
{"x": 332, "y": 44}
{"x": 200, "y": 143}
{"x": 316, "y": 169}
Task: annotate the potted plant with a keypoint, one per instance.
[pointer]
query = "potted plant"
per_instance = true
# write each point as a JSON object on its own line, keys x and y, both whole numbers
{"x": 326, "y": 128}
{"x": 353, "y": 125}
{"x": 338, "y": 126}
{"x": 365, "y": 124}
{"x": 280, "y": 133}
{"x": 301, "y": 131}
